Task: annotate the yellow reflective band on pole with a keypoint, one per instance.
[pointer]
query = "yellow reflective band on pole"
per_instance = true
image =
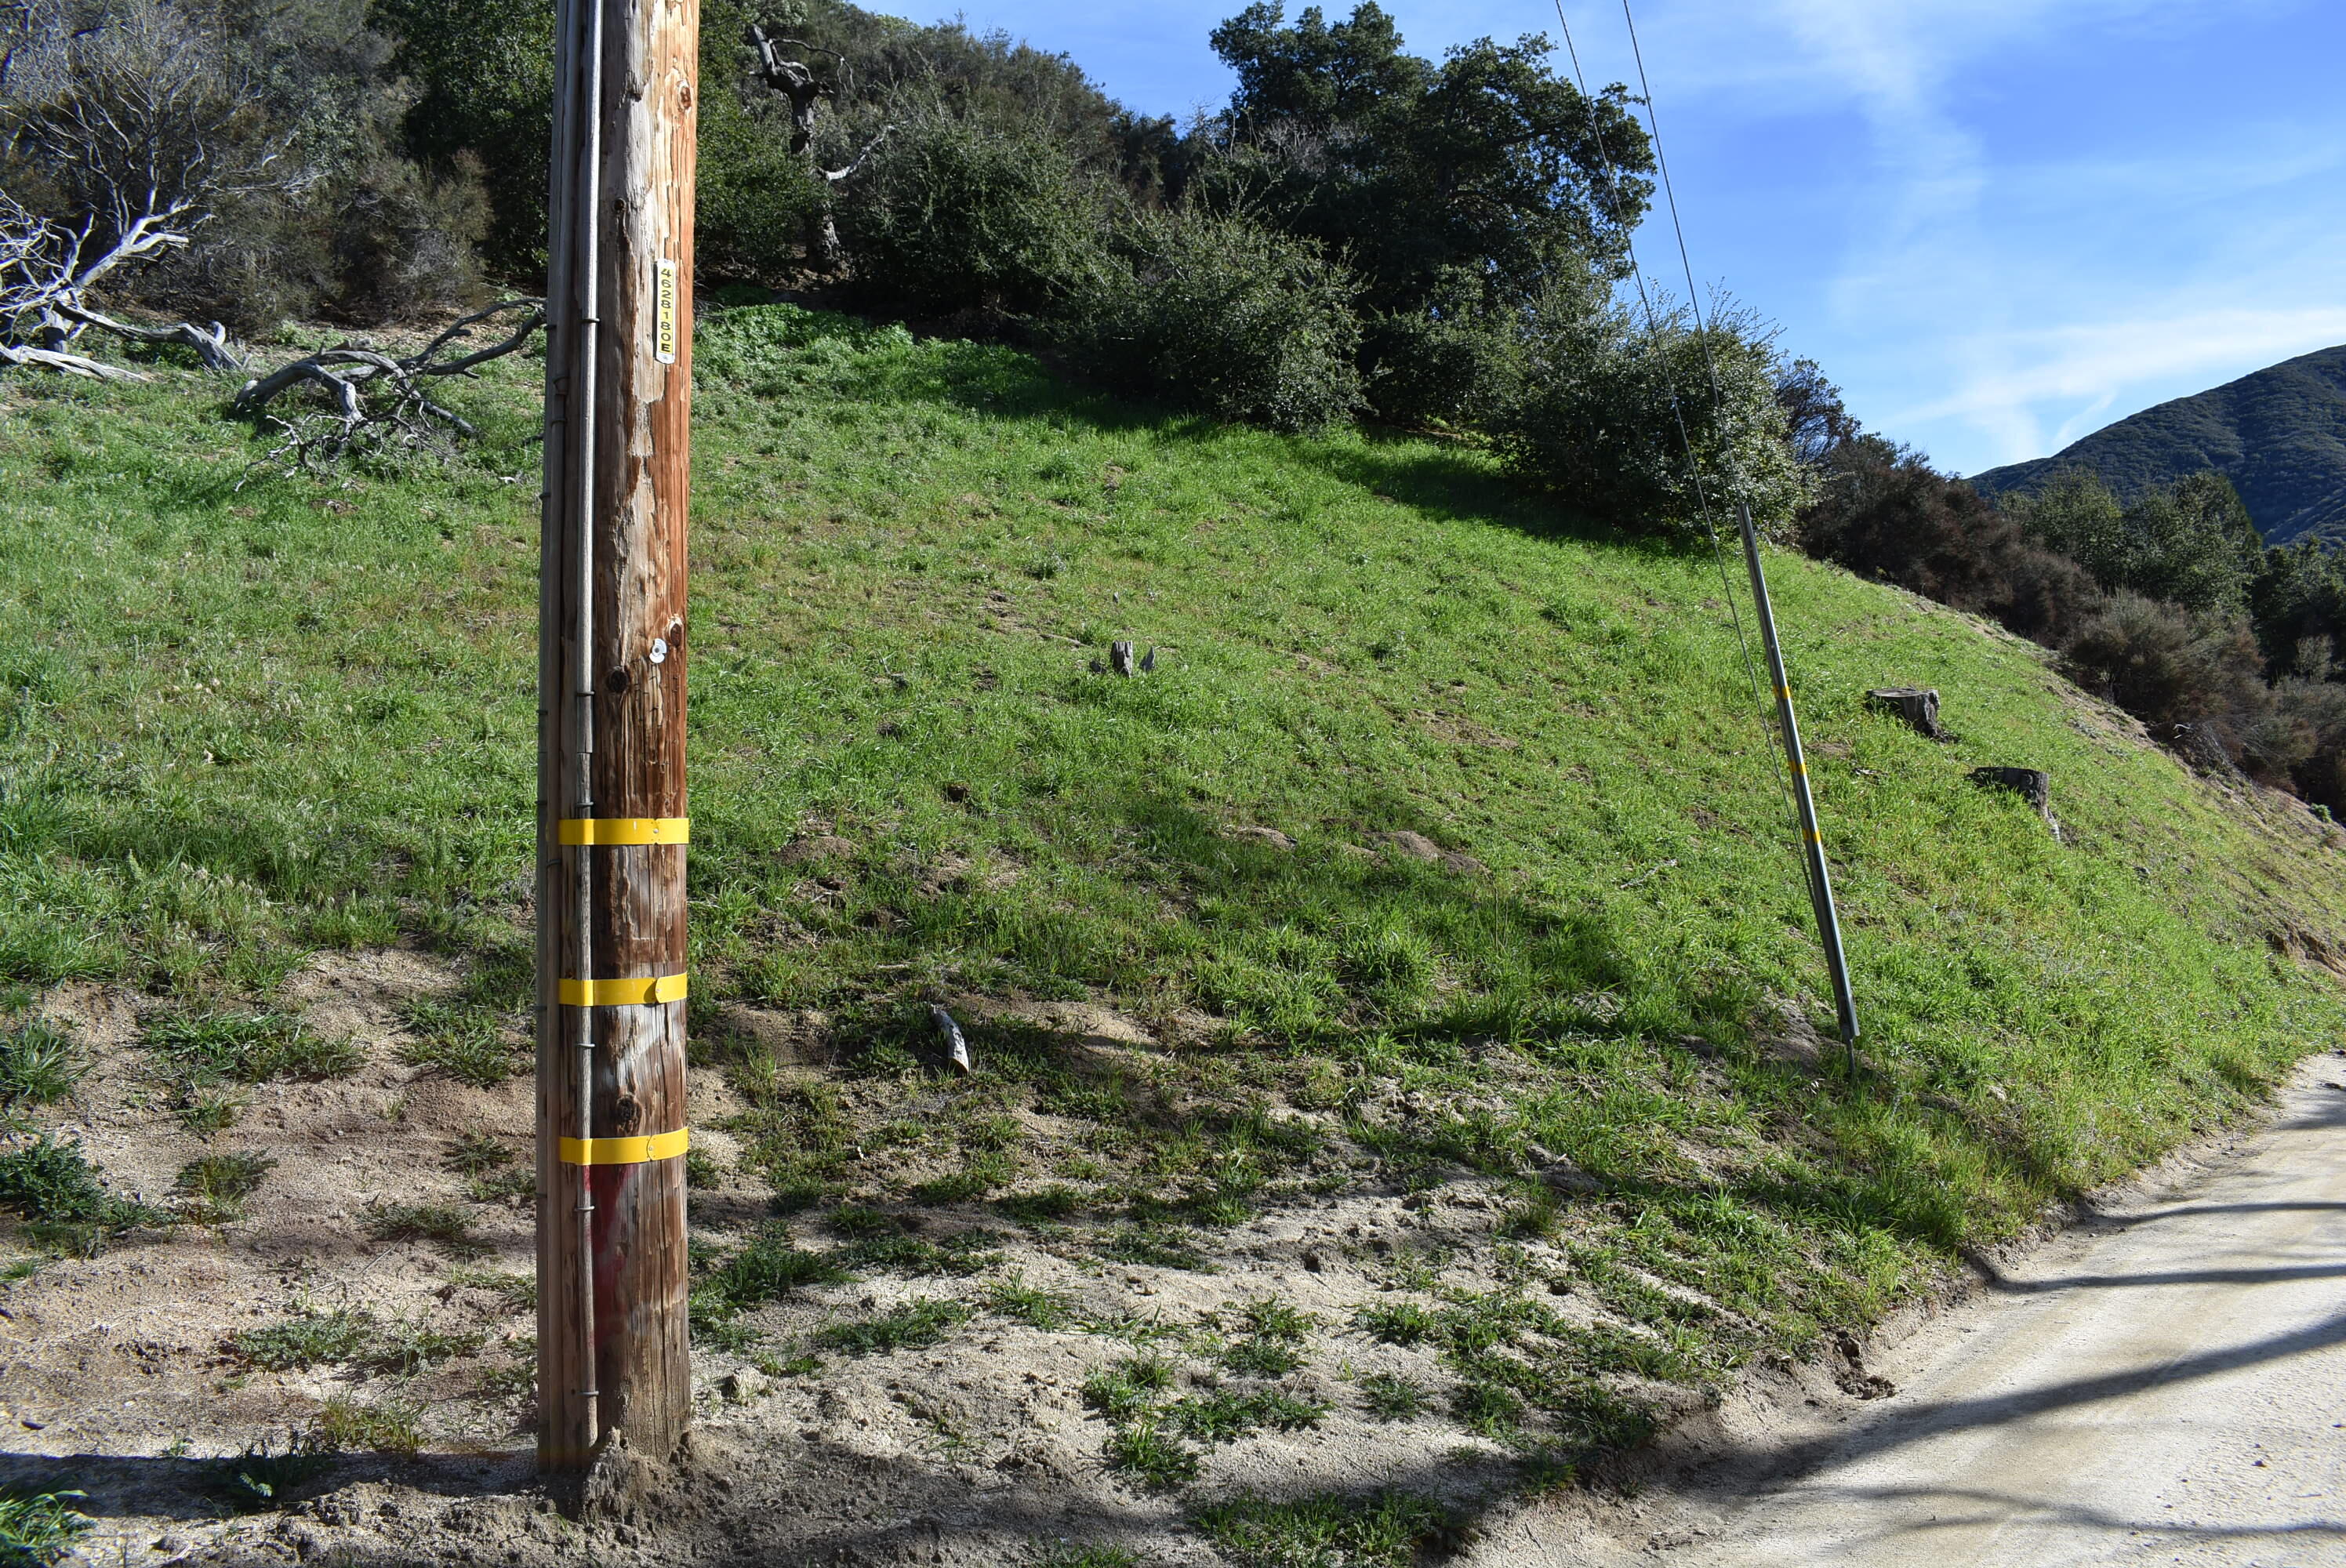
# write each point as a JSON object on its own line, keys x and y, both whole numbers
{"x": 625, "y": 829}
{"x": 1814, "y": 838}
{"x": 1801, "y": 767}
{"x": 625, "y": 1151}
{"x": 642, "y": 992}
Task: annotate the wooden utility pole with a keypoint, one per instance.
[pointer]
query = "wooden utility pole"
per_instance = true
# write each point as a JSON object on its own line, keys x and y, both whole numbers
{"x": 611, "y": 828}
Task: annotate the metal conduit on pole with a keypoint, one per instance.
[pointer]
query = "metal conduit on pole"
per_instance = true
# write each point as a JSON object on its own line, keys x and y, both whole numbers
{"x": 613, "y": 1341}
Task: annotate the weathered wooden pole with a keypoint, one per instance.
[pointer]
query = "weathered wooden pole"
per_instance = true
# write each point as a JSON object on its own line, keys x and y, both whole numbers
{"x": 611, "y": 828}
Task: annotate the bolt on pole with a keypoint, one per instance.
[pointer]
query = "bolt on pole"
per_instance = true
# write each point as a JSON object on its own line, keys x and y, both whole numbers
{"x": 612, "y": 1342}
{"x": 1812, "y": 841}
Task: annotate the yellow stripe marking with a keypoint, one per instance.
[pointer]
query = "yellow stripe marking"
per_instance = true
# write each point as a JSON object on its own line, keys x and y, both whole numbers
{"x": 1814, "y": 838}
{"x": 625, "y": 1151}
{"x": 633, "y": 993}
{"x": 625, "y": 829}
{"x": 1801, "y": 767}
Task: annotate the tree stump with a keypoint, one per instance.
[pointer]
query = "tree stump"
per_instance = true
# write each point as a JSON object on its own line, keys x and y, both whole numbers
{"x": 2033, "y": 785}
{"x": 1119, "y": 657}
{"x": 1918, "y": 705}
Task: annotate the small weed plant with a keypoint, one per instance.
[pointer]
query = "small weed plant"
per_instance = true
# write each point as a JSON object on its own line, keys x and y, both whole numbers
{"x": 39, "y": 1065}
{"x": 440, "y": 1224}
{"x": 36, "y": 1528}
{"x": 65, "y": 1207}
{"x": 1387, "y": 1529}
{"x": 467, "y": 1044}
{"x": 916, "y": 1324}
{"x": 218, "y": 1184}
{"x": 390, "y": 1426}
{"x": 262, "y": 1477}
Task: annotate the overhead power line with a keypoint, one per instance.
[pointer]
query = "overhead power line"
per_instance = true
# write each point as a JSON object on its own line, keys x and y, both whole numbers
{"x": 1792, "y": 770}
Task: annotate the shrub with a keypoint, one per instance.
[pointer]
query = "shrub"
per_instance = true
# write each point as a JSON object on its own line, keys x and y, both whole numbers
{"x": 1885, "y": 513}
{"x": 2191, "y": 543}
{"x": 1595, "y": 417}
{"x": 2196, "y": 679}
{"x": 955, "y": 215}
{"x": 1217, "y": 314}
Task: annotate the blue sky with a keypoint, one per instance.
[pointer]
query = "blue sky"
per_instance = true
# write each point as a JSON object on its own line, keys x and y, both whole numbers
{"x": 1998, "y": 224}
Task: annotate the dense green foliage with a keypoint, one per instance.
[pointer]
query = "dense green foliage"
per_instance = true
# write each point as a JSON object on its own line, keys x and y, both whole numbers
{"x": 276, "y": 126}
{"x": 1487, "y": 170}
{"x": 1221, "y": 315}
{"x": 2279, "y": 435}
{"x": 2189, "y": 543}
{"x": 1671, "y": 421}
{"x": 963, "y": 216}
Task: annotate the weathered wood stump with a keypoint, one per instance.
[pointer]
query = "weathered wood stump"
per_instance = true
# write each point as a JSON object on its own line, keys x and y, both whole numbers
{"x": 1918, "y": 705}
{"x": 2033, "y": 785}
{"x": 1119, "y": 657}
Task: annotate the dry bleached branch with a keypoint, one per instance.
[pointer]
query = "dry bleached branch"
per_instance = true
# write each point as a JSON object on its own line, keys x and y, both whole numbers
{"x": 139, "y": 120}
{"x": 377, "y": 402}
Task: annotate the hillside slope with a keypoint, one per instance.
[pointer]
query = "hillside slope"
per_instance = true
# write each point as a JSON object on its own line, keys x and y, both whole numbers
{"x": 1391, "y": 1011}
{"x": 2279, "y": 435}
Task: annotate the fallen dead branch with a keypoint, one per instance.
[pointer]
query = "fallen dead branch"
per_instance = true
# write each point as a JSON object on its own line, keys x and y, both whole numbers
{"x": 376, "y": 403}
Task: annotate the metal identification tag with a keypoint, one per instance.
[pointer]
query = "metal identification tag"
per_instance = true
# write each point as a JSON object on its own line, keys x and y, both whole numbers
{"x": 664, "y": 314}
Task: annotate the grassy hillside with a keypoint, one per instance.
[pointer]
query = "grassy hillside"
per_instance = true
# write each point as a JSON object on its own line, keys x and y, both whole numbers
{"x": 2279, "y": 435}
{"x": 251, "y": 717}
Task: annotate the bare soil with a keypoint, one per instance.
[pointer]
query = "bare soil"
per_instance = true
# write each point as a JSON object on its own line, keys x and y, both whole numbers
{"x": 120, "y": 1376}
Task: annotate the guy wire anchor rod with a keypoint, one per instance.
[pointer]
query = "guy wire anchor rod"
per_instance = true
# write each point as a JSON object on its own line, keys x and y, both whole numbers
{"x": 1813, "y": 840}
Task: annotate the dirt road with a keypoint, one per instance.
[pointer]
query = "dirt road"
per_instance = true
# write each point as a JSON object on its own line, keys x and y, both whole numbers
{"x": 2166, "y": 1384}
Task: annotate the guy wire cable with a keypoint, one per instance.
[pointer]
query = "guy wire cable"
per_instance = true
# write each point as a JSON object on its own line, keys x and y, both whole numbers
{"x": 1811, "y": 834}
{"x": 1802, "y": 820}
{"x": 1685, "y": 440}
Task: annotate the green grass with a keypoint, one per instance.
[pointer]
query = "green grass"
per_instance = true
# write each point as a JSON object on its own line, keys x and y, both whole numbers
{"x": 443, "y": 1225}
{"x": 63, "y": 1202}
{"x": 218, "y": 1184}
{"x": 309, "y": 1338}
{"x": 467, "y": 1044}
{"x": 198, "y": 1055}
{"x": 1150, "y": 1458}
{"x": 349, "y": 1336}
{"x": 475, "y": 1154}
{"x": 1031, "y": 1305}
{"x": 238, "y": 726}
{"x": 916, "y": 1324}
{"x": 390, "y": 1426}
{"x": 1067, "y": 1554}
{"x": 1388, "y": 1530}
{"x": 36, "y": 1528}
{"x": 39, "y": 1065}
{"x": 1390, "y": 1396}
{"x": 1228, "y": 1415}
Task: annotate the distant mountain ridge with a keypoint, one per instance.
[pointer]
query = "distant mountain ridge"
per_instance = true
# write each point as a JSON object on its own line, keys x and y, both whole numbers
{"x": 2279, "y": 434}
